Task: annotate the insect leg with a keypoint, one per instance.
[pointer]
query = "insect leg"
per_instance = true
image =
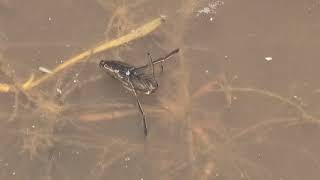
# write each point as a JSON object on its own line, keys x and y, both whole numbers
{"x": 161, "y": 68}
{"x": 152, "y": 65}
{"x": 159, "y": 60}
{"x": 145, "y": 129}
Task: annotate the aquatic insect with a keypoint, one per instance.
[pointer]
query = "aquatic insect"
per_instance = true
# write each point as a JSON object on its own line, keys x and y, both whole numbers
{"x": 136, "y": 79}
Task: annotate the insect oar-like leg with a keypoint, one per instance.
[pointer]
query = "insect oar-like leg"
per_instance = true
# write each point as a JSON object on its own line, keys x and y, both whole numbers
{"x": 161, "y": 68}
{"x": 145, "y": 129}
{"x": 152, "y": 66}
{"x": 161, "y": 60}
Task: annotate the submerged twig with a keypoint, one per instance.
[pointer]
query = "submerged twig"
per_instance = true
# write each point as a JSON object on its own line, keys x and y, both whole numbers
{"x": 107, "y": 116}
{"x": 135, "y": 34}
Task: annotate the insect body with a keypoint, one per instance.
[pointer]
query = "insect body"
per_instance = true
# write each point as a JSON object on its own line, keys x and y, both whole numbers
{"x": 135, "y": 78}
{"x": 124, "y": 72}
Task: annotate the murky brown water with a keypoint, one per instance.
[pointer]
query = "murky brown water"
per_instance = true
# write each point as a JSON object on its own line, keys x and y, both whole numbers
{"x": 240, "y": 101}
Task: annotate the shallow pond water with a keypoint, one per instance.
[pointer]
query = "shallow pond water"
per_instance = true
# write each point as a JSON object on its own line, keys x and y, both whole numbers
{"x": 239, "y": 101}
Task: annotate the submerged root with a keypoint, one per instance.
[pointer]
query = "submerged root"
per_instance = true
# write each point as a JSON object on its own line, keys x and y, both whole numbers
{"x": 134, "y": 34}
{"x": 227, "y": 90}
{"x": 35, "y": 141}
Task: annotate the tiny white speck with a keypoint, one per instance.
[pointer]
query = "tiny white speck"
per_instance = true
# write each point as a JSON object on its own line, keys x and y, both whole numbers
{"x": 128, "y": 73}
{"x": 242, "y": 175}
{"x": 226, "y": 57}
{"x": 268, "y": 58}
{"x": 259, "y": 156}
{"x": 211, "y": 19}
{"x": 75, "y": 81}
{"x": 33, "y": 126}
{"x": 49, "y": 18}
{"x": 59, "y": 91}
{"x": 13, "y": 173}
{"x": 163, "y": 16}
{"x": 206, "y": 71}
{"x": 127, "y": 159}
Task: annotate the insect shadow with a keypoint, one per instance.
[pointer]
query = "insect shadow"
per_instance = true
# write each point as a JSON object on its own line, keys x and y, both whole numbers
{"x": 136, "y": 79}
